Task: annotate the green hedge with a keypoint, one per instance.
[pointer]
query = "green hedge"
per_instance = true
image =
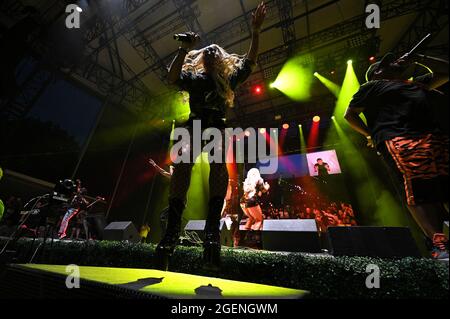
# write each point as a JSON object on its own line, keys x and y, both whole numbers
{"x": 324, "y": 277}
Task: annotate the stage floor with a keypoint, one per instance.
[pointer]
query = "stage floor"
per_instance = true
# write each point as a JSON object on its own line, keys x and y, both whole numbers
{"x": 171, "y": 284}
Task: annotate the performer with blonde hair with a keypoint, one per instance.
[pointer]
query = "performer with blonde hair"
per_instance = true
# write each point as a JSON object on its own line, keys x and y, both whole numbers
{"x": 210, "y": 76}
{"x": 254, "y": 187}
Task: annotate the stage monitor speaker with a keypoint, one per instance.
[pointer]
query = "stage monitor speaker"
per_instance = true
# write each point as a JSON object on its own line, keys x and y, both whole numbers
{"x": 383, "y": 242}
{"x": 198, "y": 226}
{"x": 121, "y": 231}
{"x": 294, "y": 235}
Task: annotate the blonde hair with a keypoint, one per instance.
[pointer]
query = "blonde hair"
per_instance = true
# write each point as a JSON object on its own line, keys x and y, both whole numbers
{"x": 226, "y": 65}
{"x": 253, "y": 178}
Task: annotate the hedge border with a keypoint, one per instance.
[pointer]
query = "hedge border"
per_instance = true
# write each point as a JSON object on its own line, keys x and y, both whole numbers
{"x": 324, "y": 276}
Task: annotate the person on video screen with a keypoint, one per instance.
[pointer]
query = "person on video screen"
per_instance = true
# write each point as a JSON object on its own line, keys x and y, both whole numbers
{"x": 322, "y": 168}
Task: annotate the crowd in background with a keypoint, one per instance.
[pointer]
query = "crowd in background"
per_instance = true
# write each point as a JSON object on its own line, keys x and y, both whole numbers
{"x": 325, "y": 214}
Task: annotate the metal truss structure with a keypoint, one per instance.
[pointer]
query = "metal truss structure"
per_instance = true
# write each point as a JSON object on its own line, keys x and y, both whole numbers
{"x": 432, "y": 19}
{"x": 125, "y": 87}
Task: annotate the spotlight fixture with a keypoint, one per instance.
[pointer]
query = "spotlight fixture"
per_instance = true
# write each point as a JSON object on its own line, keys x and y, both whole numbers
{"x": 316, "y": 73}
{"x": 262, "y": 130}
{"x": 372, "y": 59}
{"x": 257, "y": 89}
{"x": 349, "y": 62}
{"x": 285, "y": 126}
{"x": 316, "y": 119}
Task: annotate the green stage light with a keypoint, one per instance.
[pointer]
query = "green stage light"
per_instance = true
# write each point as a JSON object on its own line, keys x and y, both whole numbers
{"x": 272, "y": 85}
{"x": 302, "y": 139}
{"x": 198, "y": 192}
{"x": 171, "y": 284}
{"x": 349, "y": 62}
{"x": 295, "y": 80}
{"x": 349, "y": 87}
{"x": 333, "y": 87}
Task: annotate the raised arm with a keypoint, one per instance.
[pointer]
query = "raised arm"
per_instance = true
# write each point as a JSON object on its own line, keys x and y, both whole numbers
{"x": 352, "y": 115}
{"x": 177, "y": 64}
{"x": 257, "y": 21}
{"x": 159, "y": 169}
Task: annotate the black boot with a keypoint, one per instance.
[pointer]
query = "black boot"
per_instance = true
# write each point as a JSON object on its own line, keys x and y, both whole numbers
{"x": 167, "y": 245}
{"x": 211, "y": 244}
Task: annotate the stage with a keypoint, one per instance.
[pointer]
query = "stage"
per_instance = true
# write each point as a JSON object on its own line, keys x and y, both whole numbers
{"x": 258, "y": 149}
{"x": 112, "y": 270}
{"x": 157, "y": 284}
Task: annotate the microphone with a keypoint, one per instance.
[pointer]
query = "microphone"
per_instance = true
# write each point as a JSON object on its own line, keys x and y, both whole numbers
{"x": 421, "y": 42}
{"x": 183, "y": 37}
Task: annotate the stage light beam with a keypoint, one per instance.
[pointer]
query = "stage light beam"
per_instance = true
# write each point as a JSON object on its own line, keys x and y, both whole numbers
{"x": 350, "y": 86}
{"x": 313, "y": 137}
{"x": 295, "y": 80}
{"x": 302, "y": 139}
{"x": 331, "y": 86}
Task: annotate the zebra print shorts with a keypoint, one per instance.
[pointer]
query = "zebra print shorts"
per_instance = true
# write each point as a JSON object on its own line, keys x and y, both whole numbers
{"x": 422, "y": 162}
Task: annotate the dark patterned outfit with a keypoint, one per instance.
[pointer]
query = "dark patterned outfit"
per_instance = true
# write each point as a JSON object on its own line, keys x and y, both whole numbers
{"x": 209, "y": 107}
{"x": 401, "y": 116}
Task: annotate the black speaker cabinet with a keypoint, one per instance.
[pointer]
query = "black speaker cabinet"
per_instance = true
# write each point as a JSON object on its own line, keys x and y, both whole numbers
{"x": 294, "y": 235}
{"x": 383, "y": 242}
{"x": 121, "y": 231}
{"x": 198, "y": 226}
